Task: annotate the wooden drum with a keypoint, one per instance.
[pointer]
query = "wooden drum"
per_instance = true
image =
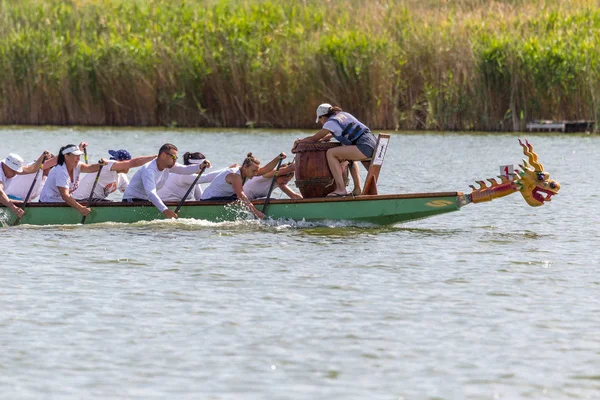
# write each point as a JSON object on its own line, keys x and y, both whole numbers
{"x": 313, "y": 177}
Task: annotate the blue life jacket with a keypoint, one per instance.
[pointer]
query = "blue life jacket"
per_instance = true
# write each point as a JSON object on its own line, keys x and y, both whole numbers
{"x": 352, "y": 129}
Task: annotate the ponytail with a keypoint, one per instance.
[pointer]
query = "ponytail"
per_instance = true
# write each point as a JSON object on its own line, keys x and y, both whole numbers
{"x": 332, "y": 111}
{"x": 61, "y": 156}
{"x": 250, "y": 159}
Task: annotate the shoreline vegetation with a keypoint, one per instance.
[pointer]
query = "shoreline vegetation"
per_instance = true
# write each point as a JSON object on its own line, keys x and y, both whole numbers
{"x": 397, "y": 65}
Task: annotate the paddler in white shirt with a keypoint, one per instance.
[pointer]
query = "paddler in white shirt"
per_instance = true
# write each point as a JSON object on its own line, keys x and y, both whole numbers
{"x": 229, "y": 184}
{"x": 112, "y": 177}
{"x": 152, "y": 176}
{"x": 11, "y": 166}
{"x": 23, "y": 183}
{"x": 177, "y": 185}
{"x": 258, "y": 186}
{"x": 63, "y": 179}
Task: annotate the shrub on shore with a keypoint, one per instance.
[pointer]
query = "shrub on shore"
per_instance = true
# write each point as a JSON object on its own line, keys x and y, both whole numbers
{"x": 460, "y": 65}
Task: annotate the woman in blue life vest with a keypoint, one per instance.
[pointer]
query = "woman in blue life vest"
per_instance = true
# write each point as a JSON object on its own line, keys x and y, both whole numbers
{"x": 358, "y": 144}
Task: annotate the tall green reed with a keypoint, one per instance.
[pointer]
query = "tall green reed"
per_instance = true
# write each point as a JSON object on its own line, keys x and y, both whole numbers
{"x": 470, "y": 64}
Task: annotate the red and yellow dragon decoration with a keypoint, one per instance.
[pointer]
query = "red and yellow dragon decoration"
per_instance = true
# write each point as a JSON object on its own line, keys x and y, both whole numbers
{"x": 531, "y": 180}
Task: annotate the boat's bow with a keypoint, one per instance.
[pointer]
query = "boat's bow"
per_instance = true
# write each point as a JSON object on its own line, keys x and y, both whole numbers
{"x": 531, "y": 181}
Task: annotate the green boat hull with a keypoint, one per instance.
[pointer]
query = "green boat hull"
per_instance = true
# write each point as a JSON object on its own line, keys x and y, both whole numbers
{"x": 379, "y": 210}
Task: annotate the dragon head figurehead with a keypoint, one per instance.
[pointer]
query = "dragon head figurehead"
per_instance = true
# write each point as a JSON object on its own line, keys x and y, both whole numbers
{"x": 531, "y": 180}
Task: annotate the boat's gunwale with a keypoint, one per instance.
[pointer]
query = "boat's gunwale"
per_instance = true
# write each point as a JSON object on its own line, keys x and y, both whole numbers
{"x": 259, "y": 201}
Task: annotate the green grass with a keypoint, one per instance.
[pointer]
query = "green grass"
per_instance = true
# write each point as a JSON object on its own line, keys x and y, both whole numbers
{"x": 448, "y": 65}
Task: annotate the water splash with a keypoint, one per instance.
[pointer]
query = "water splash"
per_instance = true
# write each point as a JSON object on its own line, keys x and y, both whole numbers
{"x": 245, "y": 221}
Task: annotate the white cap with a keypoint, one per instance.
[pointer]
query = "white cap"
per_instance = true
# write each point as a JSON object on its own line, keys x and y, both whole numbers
{"x": 194, "y": 161}
{"x": 72, "y": 150}
{"x": 322, "y": 110}
{"x": 14, "y": 162}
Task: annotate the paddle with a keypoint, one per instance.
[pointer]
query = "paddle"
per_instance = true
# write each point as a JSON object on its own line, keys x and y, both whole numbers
{"x": 193, "y": 185}
{"x": 85, "y": 157}
{"x": 92, "y": 192}
{"x": 35, "y": 178}
{"x": 271, "y": 187}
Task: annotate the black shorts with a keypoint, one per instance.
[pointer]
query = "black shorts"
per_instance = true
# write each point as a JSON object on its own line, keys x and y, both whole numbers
{"x": 366, "y": 144}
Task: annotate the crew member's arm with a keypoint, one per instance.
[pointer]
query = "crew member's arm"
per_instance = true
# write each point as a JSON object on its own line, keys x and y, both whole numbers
{"x": 87, "y": 168}
{"x": 64, "y": 193}
{"x": 293, "y": 195}
{"x": 150, "y": 187}
{"x": 208, "y": 177}
{"x": 282, "y": 171}
{"x": 189, "y": 169}
{"x": 236, "y": 183}
{"x": 30, "y": 169}
{"x": 51, "y": 162}
{"x": 271, "y": 165}
{"x": 8, "y": 203}
{"x": 327, "y": 137}
{"x": 123, "y": 166}
{"x": 321, "y": 135}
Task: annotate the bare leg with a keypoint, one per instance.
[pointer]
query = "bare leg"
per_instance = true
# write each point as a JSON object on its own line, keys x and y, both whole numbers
{"x": 356, "y": 179}
{"x": 334, "y": 157}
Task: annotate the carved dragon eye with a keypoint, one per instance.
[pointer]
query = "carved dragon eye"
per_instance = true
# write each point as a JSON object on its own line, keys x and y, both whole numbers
{"x": 541, "y": 176}
{"x": 552, "y": 185}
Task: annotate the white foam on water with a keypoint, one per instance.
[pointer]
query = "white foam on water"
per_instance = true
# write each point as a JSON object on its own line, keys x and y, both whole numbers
{"x": 4, "y": 217}
{"x": 283, "y": 223}
{"x": 280, "y": 224}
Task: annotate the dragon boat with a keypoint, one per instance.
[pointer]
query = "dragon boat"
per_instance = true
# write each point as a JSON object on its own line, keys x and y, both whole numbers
{"x": 530, "y": 180}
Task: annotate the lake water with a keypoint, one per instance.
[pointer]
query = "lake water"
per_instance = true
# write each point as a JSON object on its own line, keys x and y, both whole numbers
{"x": 497, "y": 301}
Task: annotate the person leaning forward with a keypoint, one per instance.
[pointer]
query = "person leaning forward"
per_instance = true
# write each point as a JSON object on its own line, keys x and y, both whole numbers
{"x": 258, "y": 186}
{"x": 23, "y": 185}
{"x": 63, "y": 179}
{"x": 112, "y": 177}
{"x": 229, "y": 184}
{"x": 11, "y": 166}
{"x": 152, "y": 176}
{"x": 358, "y": 143}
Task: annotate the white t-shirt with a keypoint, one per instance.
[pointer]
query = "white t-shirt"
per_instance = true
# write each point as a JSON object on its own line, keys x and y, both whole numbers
{"x": 258, "y": 187}
{"x": 20, "y": 184}
{"x": 19, "y": 187}
{"x": 5, "y": 181}
{"x": 219, "y": 186}
{"x": 148, "y": 180}
{"x": 59, "y": 177}
{"x": 177, "y": 185}
{"x": 108, "y": 182}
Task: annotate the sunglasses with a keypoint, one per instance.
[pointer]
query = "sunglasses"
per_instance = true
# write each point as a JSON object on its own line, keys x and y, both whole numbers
{"x": 172, "y": 156}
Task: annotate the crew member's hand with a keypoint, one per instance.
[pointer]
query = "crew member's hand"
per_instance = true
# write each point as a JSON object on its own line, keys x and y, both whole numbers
{"x": 169, "y": 214}
{"x": 102, "y": 161}
{"x": 282, "y": 156}
{"x": 18, "y": 211}
{"x": 85, "y": 211}
{"x": 83, "y": 145}
{"x": 206, "y": 164}
{"x": 296, "y": 142}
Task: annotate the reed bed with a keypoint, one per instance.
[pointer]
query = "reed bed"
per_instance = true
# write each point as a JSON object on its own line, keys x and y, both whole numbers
{"x": 437, "y": 65}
